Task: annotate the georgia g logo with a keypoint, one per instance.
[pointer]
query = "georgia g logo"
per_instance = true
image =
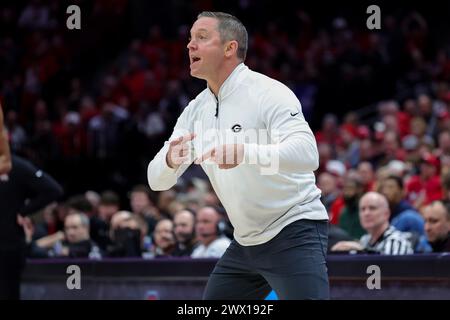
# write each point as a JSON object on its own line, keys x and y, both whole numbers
{"x": 236, "y": 128}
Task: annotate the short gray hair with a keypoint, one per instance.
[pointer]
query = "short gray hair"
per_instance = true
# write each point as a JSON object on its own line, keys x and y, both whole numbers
{"x": 84, "y": 219}
{"x": 230, "y": 28}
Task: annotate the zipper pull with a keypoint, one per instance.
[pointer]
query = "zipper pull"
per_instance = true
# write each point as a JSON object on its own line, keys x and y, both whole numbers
{"x": 217, "y": 109}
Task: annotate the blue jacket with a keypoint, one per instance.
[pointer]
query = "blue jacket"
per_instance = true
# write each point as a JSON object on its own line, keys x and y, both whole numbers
{"x": 405, "y": 218}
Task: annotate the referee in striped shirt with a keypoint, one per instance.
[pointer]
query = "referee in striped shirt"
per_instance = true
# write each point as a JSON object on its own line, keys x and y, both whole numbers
{"x": 381, "y": 237}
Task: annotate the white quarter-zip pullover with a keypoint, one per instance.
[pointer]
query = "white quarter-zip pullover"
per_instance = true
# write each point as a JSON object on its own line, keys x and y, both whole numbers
{"x": 275, "y": 186}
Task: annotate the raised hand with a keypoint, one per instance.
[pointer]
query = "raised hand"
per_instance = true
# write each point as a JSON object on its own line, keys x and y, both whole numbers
{"x": 227, "y": 156}
{"x": 179, "y": 151}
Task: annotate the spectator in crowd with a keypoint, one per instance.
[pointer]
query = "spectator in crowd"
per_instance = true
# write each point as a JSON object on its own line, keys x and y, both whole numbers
{"x": 327, "y": 183}
{"x": 349, "y": 218}
{"x": 337, "y": 170}
{"x": 367, "y": 174}
{"x": 165, "y": 198}
{"x": 100, "y": 224}
{"x": 391, "y": 148}
{"x": 329, "y": 131}
{"x": 24, "y": 190}
{"x": 82, "y": 204}
{"x": 437, "y": 225}
{"x": 163, "y": 239}
{"x": 126, "y": 235}
{"x": 74, "y": 242}
{"x": 142, "y": 205}
{"x": 381, "y": 237}
{"x": 411, "y": 145}
{"x": 209, "y": 228}
{"x": 403, "y": 216}
{"x": 444, "y": 142}
{"x": 426, "y": 187}
{"x": 184, "y": 229}
{"x": 17, "y": 134}
{"x": 53, "y": 216}
{"x": 77, "y": 240}
{"x": 94, "y": 199}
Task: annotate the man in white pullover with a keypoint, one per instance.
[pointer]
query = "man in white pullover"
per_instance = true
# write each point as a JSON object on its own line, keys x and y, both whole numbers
{"x": 248, "y": 133}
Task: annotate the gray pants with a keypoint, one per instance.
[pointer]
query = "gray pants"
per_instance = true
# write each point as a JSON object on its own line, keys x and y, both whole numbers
{"x": 293, "y": 264}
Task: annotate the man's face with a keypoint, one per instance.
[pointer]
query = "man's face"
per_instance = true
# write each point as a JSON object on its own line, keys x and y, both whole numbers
{"x": 206, "y": 226}
{"x": 391, "y": 190}
{"x": 437, "y": 225}
{"x": 139, "y": 201}
{"x": 74, "y": 229}
{"x": 206, "y": 50}
{"x": 427, "y": 170}
{"x": 163, "y": 234}
{"x": 390, "y": 143}
{"x": 165, "y": 198}
{"x": 350, "y": 190}
{"x": 444, "y": 141}
{"x": 119, "y": 220}
{"x": 183, "y": 226}
{"x": 366, "y": 172}
{"x": 372, "y": 214}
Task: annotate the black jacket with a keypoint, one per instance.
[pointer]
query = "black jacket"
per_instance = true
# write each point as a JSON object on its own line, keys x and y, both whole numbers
{"x": 442, "y": 245}
{"x": 24, "y": 190}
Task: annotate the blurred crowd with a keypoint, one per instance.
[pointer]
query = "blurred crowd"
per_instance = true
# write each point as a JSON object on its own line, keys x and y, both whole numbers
{"x": 178, "y": 223}
{"x": 92, "y": 107}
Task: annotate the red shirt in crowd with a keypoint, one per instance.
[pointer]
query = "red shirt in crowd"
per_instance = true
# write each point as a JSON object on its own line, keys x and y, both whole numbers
{"x": 431, "y": 187}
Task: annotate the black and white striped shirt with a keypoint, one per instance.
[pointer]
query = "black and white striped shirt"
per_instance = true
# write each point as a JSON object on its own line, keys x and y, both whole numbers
{"x": 391, "y": 242}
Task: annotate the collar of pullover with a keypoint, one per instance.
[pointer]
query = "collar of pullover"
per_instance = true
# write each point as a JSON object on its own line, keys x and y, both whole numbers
{"x": 230, "y": 83}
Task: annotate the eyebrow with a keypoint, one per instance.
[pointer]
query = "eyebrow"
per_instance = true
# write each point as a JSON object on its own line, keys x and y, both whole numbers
{"x": 201, "y": 29}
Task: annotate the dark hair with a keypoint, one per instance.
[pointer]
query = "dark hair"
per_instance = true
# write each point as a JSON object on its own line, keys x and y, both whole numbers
{"x": 397, "y": 179}
{"x": 230, "y": 28}
{"x": 79, "y": 203}
{"x": 142, "y": 189}
{"x": 109, "y": 198}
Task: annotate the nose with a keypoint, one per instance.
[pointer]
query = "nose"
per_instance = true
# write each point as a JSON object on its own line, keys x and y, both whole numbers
{"x": 191, "y": 44}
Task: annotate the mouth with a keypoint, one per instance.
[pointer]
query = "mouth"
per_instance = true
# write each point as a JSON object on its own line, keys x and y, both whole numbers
{"x": 195, "y": 59}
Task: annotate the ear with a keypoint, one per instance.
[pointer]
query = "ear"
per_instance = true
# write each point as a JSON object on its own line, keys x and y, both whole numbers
{"x": 231, "y": 48}
{"x": 388, "y": 214}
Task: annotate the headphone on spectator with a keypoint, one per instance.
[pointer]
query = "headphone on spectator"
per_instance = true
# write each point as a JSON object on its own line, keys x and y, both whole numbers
{"x": 222, "y": 224}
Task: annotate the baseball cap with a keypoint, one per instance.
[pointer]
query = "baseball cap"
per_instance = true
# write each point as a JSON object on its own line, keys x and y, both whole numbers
{"x": 336, "y": 167}
{"x": 410, "y": 142}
